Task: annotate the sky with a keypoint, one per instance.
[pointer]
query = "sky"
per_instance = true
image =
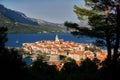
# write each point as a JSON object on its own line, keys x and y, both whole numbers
{"x": 57, "y": 11}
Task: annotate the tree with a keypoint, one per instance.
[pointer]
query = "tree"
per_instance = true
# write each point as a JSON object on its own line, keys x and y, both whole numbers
{"x": 11, "y": 64}
{"x": 89, "y": 70}
{"x": 104, "y": 16}
{"x": 70, "y": 71}
{"x": 40, "y": 70}
{"x": 70, "y": 25}
{"x": 3, "y": 37}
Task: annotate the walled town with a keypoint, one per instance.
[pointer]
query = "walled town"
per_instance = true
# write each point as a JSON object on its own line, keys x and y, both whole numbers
{"x": 69, "y": 49}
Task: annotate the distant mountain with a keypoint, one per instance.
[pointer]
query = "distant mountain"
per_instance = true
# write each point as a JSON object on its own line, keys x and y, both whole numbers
{"x": 44, "y": 23}
{"x": 16, "y": 16}
{"x": 21, "y": 17}
{"x": 14, "y": 20}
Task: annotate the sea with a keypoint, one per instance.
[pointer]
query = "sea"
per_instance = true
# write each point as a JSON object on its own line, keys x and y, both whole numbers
{"x": 16, "y": 40}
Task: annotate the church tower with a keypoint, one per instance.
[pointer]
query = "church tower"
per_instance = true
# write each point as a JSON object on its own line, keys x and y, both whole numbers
{"x": 56, "y": 38}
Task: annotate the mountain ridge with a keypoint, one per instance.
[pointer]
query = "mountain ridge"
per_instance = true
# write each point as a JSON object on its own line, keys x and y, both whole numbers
{"x": 21, "y": 17}
{"x": 15, "y": 20}
{"x": 16, "y": 15}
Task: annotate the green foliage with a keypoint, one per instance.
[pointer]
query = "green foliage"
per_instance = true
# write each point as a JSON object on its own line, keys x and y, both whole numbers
{"x": 71, "y": 25}
{"x": 43, "y": 56}
{"x": 104, "y": 17}
{"x": 68, "y": 59}
{"x": 25, "y": 28}
{"x": 81, "y": 12}
{"x": 93, "y": 49}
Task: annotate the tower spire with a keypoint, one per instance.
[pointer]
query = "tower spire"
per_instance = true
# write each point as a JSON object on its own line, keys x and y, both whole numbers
{"x": 56, "y": 38}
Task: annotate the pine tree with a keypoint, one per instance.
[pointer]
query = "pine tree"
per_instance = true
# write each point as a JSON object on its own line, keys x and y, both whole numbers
{"x": 104, "y": 17}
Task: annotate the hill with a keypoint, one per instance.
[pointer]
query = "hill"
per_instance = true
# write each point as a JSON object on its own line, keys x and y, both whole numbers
{"x": 18, "y": 22}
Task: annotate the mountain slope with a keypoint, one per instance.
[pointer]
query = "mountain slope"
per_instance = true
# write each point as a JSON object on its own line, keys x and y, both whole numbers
{"x": 18, "y": 22}
{"x": 18, "y": 27}
{"x": 21, "y": 17}
{"x": 16, "y": 16}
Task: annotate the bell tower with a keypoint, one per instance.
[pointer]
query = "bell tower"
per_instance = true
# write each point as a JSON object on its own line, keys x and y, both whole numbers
{"x": 56, "y": 38}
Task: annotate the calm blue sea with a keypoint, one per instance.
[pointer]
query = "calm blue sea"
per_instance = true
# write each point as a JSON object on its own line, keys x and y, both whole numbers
{"x": 16, "y": 40}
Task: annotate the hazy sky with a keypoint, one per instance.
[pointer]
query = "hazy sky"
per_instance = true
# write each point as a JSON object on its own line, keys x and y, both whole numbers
{"x": 57, "y": 11}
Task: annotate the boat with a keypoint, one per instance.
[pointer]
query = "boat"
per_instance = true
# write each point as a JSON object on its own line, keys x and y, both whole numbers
{"x": 16, "y": 41}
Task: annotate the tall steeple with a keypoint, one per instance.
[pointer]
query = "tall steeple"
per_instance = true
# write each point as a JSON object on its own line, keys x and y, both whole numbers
{"x": 56, "y": 38}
